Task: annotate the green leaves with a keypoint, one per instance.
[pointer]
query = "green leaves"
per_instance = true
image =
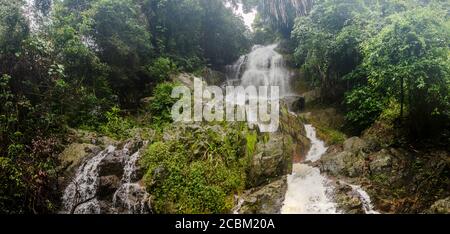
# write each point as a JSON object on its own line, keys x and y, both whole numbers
{"x": 161, "y": 69}
{"x": 161, "y": 104}
{"x": 364, "y": 106}
{"x": 116, "y": 126}
{"x": 405, "y": 61}
{"x": 196, "y": 169}
{"x": 374, "y": 52}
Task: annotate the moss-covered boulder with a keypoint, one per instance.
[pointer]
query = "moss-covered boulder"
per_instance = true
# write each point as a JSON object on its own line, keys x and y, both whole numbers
{"x": 271, "y": 160}
{"x": 74, "y": 154}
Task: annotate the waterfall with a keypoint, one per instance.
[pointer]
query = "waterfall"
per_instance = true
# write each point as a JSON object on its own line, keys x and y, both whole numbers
{"x": 125, "y": 192}
{"x": 80, "y": 195}
{"x": 234, "y": 70}
{"x": 365, "y": 199}
{"x": 308, "y": 191}
{"x": 317, "y": 146}
{"x": 263, "y": 67}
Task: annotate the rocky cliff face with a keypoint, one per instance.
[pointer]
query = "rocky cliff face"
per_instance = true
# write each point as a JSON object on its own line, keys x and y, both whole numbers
{"x": 103, "y": 179}
{"x": 272, "y": 161}
{"x": 101, "y": 175}
{"x": 399, "y": 180}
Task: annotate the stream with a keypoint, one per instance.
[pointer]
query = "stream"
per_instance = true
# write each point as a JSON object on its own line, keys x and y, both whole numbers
{"x": 309, "y": 192}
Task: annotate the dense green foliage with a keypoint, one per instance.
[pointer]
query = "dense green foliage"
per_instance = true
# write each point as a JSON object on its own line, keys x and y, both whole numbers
{"x": 370, "y": 54}
{"x": 87, "y": 63}
{"x": 31, "y": 88}
{"x": 197, "y": 169}
{"x": 277, "y": 16}
{"x": 91, "y": 64}
{"x": 161, "y": 105}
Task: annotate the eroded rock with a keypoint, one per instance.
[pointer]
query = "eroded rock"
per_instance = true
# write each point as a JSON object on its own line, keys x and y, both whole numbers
{"x": 266, "y": 199}
{"x": 107, "y": 186}
{"x": 271, "y": 160}
{"x": 75, "y": 153}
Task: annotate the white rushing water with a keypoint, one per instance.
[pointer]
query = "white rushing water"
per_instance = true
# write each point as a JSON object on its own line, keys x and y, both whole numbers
{"x": 80, "y": 195}
{"x": 127, "y": 191}
{"x": 365, "y": 199}
{"x": 265, "y": 67}
{"x": 317, "y": 146}
{"x": 309, "y": 192}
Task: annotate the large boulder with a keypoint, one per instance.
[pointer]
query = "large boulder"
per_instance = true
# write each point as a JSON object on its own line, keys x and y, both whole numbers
{"x": 266, "y": 199}
{"x": 294, "y": 126}
{"x": 107, "y": 186}
{"x": 113, "y": 163}
{"x": 271, "y": 160}
{"x": 342, "y": 164}
{"x": 73, "y": 155}
{"x": 132, "y": 199}
{"x": 355, "y": 145}
{"x": 381, "y": 162}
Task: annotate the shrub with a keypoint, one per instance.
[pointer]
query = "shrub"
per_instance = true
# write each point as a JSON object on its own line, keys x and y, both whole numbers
{"x": 196, "y": 172}
{"x": 161, "y": 104}
{"x": 364, "y": 106}
{"x": 161, "y": 69}
{"x": 116, "y": 126}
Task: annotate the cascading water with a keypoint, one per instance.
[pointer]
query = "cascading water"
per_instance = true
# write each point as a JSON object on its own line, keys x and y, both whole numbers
{"x": 365, "y": 199}
{"x": 125, "y": 192}
{"x": 234, "y": 71}
{"x": 308, "y": 191}
{"x": 263, "y": 67}
{"x": 80, "y": 195}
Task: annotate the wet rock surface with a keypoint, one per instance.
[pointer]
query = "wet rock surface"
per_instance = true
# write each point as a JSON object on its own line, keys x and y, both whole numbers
{"x": 271, "y": 160}
{"x": 399, "y": 180}
{"x": 267, "y": 199}
{"x": 105, "y": 181}
{"x": 347, "y": 199}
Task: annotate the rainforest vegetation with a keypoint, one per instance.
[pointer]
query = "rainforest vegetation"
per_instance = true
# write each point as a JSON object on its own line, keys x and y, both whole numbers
{"x": 87, "y": 64}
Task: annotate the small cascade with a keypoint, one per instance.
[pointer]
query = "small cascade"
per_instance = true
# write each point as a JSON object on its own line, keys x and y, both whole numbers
{"x": 83, "y": 196}
{"x": 80, "y": 195}
{"x": 129, "y": 191}
{"x": 309, "y": 192}
{"x": 317, "y": 146}
{"x": 234, "y": 71}
{"x": 365, "y": 199}
{"x": 266, "y": 67}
